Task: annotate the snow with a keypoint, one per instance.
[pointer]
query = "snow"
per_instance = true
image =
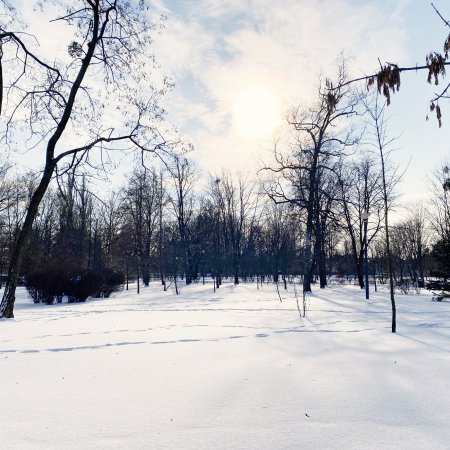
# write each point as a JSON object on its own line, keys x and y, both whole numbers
{"x": 235, "y": 369}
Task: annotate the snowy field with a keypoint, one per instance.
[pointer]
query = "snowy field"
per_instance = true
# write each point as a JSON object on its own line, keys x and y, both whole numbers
{"x": 235, "y": 369}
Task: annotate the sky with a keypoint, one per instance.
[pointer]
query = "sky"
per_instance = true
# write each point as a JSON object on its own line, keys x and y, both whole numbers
{"x": 239, "y": 65}
{"x": 225, "y": 55}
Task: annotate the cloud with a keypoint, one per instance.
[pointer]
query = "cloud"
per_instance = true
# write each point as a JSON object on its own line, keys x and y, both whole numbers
{"x": 215, "y": 50}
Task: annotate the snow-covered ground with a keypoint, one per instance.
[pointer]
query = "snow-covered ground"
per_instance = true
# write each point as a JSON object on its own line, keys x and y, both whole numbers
{"x": 235, "y": 369}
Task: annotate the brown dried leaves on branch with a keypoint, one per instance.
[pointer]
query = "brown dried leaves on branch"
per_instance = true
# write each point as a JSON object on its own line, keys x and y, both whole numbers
{"x": 436, "y": 66}
{"x": 434, "y": 107}
{"x": 388, "y": 79}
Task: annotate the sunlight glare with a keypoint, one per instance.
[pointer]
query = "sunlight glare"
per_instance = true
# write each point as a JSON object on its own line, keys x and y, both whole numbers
{"x": 256, "y": 113}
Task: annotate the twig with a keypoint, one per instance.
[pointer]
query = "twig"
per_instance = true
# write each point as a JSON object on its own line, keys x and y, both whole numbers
{"x": 304, "y": 304}
{"x": 278, "y": 290}
{"x": 442, "y": 94}
{"x": 296, "y": 298}
{"x": 440, "y": 15}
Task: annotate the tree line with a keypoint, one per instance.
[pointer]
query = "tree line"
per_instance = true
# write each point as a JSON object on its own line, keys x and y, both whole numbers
{"x": 165, "y": 225}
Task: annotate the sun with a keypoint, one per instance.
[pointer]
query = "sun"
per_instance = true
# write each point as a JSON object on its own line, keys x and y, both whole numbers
{"x": 256, "y": 113}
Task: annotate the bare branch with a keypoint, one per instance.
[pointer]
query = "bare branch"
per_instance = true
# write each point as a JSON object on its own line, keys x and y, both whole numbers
{"x": 440, "y": 15}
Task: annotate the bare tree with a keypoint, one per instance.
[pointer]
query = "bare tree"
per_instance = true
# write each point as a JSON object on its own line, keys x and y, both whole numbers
{"x": 278, "y": 238}
{"x": 14, "y": 198}
{"x": 140, "y": 203}
{"x": 439, "y": 214}
{"x": 98, "y": 98}
{"x": 184, "y": 177}
{"x": 111, "y": 219}
{"x": 236, "y": 206}
{"x": 325, "y": 219}
{"x": 417, "y": 241}
{"x": 320, "y": 139}
{"x": 439, "y": 211}
{"x": 361, "y": 190}
{"x": 381, "y": 141}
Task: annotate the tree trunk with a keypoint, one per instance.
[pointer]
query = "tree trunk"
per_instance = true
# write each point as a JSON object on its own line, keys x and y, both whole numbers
{"x": 322, "y": 263}
{"x": 360, "y": 272}
{"x": 391, "y": 271}
{"x": 388, "y": 248}
{"x": 322, "y": 276}
{"x": 161, "y": 271}
{"x": 138, "y": 266}
{"x": 237, "y": 268}
{"x": 176, "y": 285}
{"x": 145, "y": 266}
{"x": 307, "y": 261}
{"x": 375, "y": 275}
{"x": 420, "y": 262}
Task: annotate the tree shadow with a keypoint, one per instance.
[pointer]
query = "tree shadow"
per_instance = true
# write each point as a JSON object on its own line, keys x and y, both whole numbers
{"x": 437, "y": 347}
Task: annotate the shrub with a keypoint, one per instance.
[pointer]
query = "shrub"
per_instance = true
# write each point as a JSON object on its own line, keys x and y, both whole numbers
{"x": 46, "y": 284}
{"x": 51, "y": 283}
{"x": 113, "y": 282}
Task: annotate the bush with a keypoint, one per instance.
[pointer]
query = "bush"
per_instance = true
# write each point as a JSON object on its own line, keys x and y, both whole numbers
{"x": 99, "y": 283}
{"x": 48, "y": 284}
{"x": 113, "y": 282}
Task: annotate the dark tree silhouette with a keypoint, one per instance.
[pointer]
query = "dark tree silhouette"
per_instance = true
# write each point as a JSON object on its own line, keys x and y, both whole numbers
{"x": 318, "y": 143}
